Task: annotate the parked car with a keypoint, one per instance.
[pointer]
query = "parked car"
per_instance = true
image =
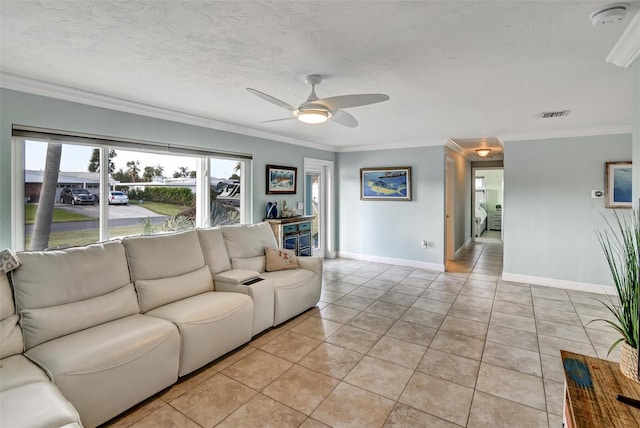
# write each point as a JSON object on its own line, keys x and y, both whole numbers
{"x": 76, "y": 196}
{"x": 117, "y": 197}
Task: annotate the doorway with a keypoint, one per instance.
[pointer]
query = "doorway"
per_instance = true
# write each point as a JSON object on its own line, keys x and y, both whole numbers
{"x": 487, "y": 194}
{"x": 318, "y": 177}
{"x": 450, "y": 185}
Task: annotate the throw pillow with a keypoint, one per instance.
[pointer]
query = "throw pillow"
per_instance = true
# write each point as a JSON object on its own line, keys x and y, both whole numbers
{"x": 280, "y": 259}
{"x": 8, "y": 261}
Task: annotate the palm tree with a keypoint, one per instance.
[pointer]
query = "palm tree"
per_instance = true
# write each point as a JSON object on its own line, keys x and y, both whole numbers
{"x": 182, "y": 172}
{"x": 133, "y": 169}
{"x": 94, "y": 162}
{"x": 47, "y": 200}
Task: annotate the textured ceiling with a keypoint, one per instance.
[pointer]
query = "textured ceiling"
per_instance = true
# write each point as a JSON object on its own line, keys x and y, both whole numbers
{"x": 453, "y": 69}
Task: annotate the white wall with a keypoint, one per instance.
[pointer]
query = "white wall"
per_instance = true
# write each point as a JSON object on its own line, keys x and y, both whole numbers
{"x": 32, "y": 110}
{"x": 550, "y": 219}
{"x": 392, "y": 230}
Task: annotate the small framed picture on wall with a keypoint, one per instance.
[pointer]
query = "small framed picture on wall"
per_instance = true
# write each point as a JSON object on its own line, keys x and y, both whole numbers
{"x": 281, "y": 180}
{"x": 617, "y": 185}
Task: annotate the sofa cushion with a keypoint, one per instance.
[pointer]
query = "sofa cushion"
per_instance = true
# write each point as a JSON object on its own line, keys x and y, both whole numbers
{"x": 106, "y": 369}
{"x": 18, "y": 370}
{"x": 43, "y": 324}
{"x": 37, "y": 404}
{"x": 79, "y": 280}
{"x": 214, "y": 249}
{"x": 157, "y": 292}
{"x": 257, "y": 264}
{"x": 211, "y": 324}
{"x": 10, "y": 333}
{"x": 280, "y": 259}
{"x": 163, "y": 256}
{"x": 249, "y": 240}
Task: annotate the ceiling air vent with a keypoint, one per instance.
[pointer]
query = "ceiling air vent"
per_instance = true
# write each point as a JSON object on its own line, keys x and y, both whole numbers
{"x": 550, "y": 114}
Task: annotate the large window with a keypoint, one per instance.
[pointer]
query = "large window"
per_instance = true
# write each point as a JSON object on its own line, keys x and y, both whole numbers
{"x": 74, "y": 197}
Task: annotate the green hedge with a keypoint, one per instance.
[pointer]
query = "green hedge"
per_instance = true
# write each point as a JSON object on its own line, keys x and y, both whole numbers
{"x": 168, "y": 195}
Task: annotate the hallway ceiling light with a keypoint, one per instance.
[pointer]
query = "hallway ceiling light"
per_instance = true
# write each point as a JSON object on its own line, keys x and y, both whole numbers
{"x": 483, "y": 153}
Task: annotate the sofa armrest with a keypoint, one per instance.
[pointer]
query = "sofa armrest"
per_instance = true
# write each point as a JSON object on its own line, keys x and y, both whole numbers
{"x": 233, "y": 280}
{"x": 314, "y": 264}
{"x": 235, "y": 276}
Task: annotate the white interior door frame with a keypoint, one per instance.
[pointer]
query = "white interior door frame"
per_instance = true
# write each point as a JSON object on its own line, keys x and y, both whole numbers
{"x": 325, "y": 167}
{"x": 449, "y": 215}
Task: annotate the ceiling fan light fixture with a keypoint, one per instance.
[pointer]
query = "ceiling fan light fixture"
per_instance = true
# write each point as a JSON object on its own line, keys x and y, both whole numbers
{"x": 313, "y": 117}
{"x": 483, "y": 153}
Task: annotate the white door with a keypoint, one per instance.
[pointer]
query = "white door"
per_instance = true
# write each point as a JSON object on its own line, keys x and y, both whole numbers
{"x": 449, "y": 207}
{"x": 318, "y": 202}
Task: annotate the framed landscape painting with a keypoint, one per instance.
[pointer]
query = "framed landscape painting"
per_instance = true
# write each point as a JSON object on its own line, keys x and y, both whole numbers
{"x": 617, "y": 189}
{"x": 385, "y": 184}
{"x": 281, "y": 180}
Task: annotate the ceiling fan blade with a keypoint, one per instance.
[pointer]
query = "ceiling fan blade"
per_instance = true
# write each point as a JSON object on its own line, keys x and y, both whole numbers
{"x": 344, "y": 118}
{"x": 277, "y": 120}
{"x": 347, "y": 101}
{"x": 271, "y": 99}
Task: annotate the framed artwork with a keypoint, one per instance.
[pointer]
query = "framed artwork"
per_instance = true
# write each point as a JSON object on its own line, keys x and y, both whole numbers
{"x": 617, "y": 184}
{"x": 281, "y": 180}
{"x": 385, "y": 184}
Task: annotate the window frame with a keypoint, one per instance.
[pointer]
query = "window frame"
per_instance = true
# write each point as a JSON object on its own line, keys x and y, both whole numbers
{"x": 104, "y": 145}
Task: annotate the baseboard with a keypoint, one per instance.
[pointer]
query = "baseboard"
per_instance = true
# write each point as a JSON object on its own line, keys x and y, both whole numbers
{"x": 559, "y": 283}
{"x": 391, "y": 261}
{"x": 461, "y": 249}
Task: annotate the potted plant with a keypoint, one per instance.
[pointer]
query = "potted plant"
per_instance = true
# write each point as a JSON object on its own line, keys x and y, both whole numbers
{"x": 620, "y": 242}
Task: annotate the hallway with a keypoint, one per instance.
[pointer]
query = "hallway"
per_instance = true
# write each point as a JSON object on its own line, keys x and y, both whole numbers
{"x": 481, "y": 256}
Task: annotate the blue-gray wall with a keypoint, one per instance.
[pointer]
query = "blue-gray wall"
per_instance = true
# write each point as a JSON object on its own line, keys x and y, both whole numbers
{"x": 550, "y": 219}
{"x": 636, "y": 134}
{"x": 394, "y": 229}
{"x": 32, "y": 110}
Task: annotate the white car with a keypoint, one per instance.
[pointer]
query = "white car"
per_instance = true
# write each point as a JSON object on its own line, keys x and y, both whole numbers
{"x": 117, "y": 197}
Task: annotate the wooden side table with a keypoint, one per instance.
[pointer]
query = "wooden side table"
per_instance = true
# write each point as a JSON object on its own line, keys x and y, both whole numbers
{"x": 591, "y": 387}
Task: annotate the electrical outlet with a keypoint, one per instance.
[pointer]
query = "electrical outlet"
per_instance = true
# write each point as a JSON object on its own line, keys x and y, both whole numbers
{"x": 424, "y": 243}
{"x": 597, "y": 194}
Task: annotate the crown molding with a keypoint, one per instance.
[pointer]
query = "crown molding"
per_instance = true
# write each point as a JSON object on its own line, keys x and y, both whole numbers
{"x": 393, "y": 145}
{"x": 580, "y": 132}
{"x": 454, "y": 146}
{"x": 627, "y": 48}
{"x": 67, "y": 93}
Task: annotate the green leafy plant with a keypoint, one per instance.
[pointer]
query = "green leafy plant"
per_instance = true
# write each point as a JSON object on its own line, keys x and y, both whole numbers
{"x": 179, "y": 222}
{"x": 148, "y": 228}
{"x": 620, "y": 242}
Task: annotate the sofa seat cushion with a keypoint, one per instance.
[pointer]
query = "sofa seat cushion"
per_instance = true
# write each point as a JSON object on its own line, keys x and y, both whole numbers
{"x": 295, "y": 291}
{"x": 106, "y": 369}
{"x": 38, "y": 404}
{"x": 211, "y": 324}
{"x": 18, "y": 370}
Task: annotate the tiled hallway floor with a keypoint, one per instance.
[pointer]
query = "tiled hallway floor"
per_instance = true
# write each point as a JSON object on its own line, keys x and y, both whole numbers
{"x": 398, "y": 347}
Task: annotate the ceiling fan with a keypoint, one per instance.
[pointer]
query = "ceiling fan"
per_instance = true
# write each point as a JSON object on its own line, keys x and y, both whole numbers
{"x": 319, "y": 110}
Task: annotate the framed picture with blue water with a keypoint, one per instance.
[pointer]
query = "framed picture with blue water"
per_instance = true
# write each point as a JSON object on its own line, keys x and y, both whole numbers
{"x": 617, "y": 186}
{"x": 385, "y": 184}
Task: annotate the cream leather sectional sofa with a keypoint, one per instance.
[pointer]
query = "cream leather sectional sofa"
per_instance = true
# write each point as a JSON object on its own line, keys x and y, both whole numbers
{"x": 103, "y": 327}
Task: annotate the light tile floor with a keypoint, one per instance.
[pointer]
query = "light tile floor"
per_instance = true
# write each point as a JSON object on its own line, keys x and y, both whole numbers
{"x": 398, "y": 347}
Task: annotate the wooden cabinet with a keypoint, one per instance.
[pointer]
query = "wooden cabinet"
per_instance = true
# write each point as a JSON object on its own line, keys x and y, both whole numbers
{"x": 494, "y": 219}
{"x": 294, "y": 233}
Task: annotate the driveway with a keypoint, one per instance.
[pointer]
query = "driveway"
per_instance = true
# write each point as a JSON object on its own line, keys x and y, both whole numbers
{"x": 115, "y": 211}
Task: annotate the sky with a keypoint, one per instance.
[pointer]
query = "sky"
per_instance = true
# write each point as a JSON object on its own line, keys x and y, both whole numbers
{"x": 76, "y": 158}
